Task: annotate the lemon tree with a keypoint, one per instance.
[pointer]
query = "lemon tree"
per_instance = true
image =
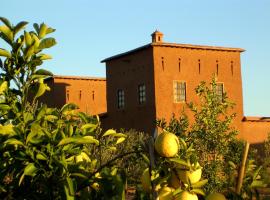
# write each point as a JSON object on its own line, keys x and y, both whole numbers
{"x": 48, "y": 153}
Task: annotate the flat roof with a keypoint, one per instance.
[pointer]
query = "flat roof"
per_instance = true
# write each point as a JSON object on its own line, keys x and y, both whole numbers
{"x": 256, "y": 119}
{"x": 175, "y": 45}
{"x": 79, "y": 77}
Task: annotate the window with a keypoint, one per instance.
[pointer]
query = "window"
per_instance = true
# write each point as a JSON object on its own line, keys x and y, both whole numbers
{"x": 220, "y": 91}
{"x": 142, "y": 94}
{"x": 120, "y": 99}
{"x": 199, "y": 62}
{"x": 232, "y": 67}
{"x": 217, "y": 67}
{"x": 179, "y": 64}
{"x": 162, "y": 63}
{"x": 67, "y": 95}
{"x": 179, "y": 89}
{"x": 93, "y": 95}
{"x": 80, "y": 95}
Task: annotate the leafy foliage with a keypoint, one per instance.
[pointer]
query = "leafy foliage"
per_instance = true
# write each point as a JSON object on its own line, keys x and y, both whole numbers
{"x": 49, "y": 153}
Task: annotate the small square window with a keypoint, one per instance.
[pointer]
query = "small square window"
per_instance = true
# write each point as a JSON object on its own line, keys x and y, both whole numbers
{"x": 120, "y": 99}
{"x": 179, "y": 89}
{"x": 142, "y": 93}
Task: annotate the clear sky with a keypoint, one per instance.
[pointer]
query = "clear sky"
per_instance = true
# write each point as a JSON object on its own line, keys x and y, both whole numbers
{"x": 89, "y": 31}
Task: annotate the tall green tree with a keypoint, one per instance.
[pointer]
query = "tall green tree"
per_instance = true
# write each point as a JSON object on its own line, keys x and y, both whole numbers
{"x": 212, "y": 133}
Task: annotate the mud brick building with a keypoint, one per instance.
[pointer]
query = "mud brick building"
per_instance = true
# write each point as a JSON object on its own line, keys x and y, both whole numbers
{"x": 156, "y": 80}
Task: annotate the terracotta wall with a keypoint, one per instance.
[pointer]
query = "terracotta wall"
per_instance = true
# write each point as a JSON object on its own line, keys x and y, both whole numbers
{"x": 189, "y": 72}
{"x": 256, "y": 131}
{"x": 127, "y": 73}
{"x": 88, "y": 93}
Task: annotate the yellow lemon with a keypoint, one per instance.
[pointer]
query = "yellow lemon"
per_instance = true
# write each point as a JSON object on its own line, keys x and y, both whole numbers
{"x": 167, "y": 144}
{"x": 192, "y": 176}
{"x": 215, "y": 196}
{"x": 185, "y": 195}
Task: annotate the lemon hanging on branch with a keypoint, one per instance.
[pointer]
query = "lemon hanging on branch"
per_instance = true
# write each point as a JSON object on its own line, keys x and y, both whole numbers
{"x": 167, "y": 144}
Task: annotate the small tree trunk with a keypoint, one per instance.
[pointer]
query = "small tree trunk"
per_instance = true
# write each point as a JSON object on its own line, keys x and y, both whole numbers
{"x": 152, "y": 166}
{"x": 241, "y": 172}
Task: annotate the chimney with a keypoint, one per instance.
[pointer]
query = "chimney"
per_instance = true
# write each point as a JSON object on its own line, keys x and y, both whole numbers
{"x": 157, "y": 37}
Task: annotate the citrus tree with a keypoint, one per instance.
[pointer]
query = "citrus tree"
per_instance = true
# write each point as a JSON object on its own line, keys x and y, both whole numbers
{"x": 48, "y": 153}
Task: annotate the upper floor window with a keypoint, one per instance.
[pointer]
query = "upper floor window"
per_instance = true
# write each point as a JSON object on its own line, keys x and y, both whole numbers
{"x": 232, "y": 67}
{"x": 179, "y": 91}
{"x": 93, "y": 95}
{"x": 80, "y": 95}
{"x": 120, "y": 99}
{"x": 142, "y": 93}
{"x": 220, "y": 91}
{"x": 67, "y": 92}
{"x": 162, "y": 63}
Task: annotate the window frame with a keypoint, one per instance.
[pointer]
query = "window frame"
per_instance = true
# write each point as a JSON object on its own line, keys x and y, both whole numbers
{"x": 175, "y": 93}
{"x": 141, "y": 94}
{"x": 120, "y": 99}
{"x": 220, "y": 96}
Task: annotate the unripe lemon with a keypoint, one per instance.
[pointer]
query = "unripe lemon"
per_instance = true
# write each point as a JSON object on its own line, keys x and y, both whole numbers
{"x": 215, "y": 196}
{"x": 185, "y": 195}
{"x": 166, "y": 193}
{"x": 167, "y": 144}
{"x": 192, "y": 176}
{"x": 146, "y": 180}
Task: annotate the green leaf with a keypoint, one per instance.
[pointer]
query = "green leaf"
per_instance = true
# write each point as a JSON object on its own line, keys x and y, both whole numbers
{"x": 36, "y": 130}
{"x": 6, "y": 22}
{"x": 78, "y": 140}
{"x": 79, "y": 175}
{"x": 69, "y": 189}
{"x": 47, "y": 43}
{"x": 69, "y": 107}
{"x": 41, "y": 156}
{"x": 232, "y": 164}
{"x": 36, "y": 27}
{"x": 19, "y": 27}
{"x": 109, "y": 132}
{"x": 42, "y": 88}
{"x": 30, "y": 170}
{"x": 29, "y": 52}
{"x": 4, "y": 107}
{"x": 145, "y": 158}
{"x": 120, "y": 140}
{"x": 257, "y": 183}
{"x": 256, "y": 173}
{"x": 199, "y": 184}
{"x": 7, "y": 32}
{"x": 179, "y": 161}
{"x": 50, "y": 118}
{"x": 28, "y": 39}
{"x": 198, "y": 191}
{"x": 50, "y": 30}
{"x": 44, "y": 72}
{"x": 13, "y": 141}
{"x": 4, "y": 53}
{"x": 43, "y": 56}
{"x": 89, "y": 125}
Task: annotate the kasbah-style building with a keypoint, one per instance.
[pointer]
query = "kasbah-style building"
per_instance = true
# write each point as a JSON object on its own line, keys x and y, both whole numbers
{"x": 153, "y": 82}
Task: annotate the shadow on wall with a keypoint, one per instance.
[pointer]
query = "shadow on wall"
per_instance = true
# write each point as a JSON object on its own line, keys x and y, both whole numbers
{"x": 57, "y": 96}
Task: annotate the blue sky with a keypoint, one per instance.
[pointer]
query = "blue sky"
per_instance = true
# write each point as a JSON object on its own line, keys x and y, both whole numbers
{"x": 88, "y": 31}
